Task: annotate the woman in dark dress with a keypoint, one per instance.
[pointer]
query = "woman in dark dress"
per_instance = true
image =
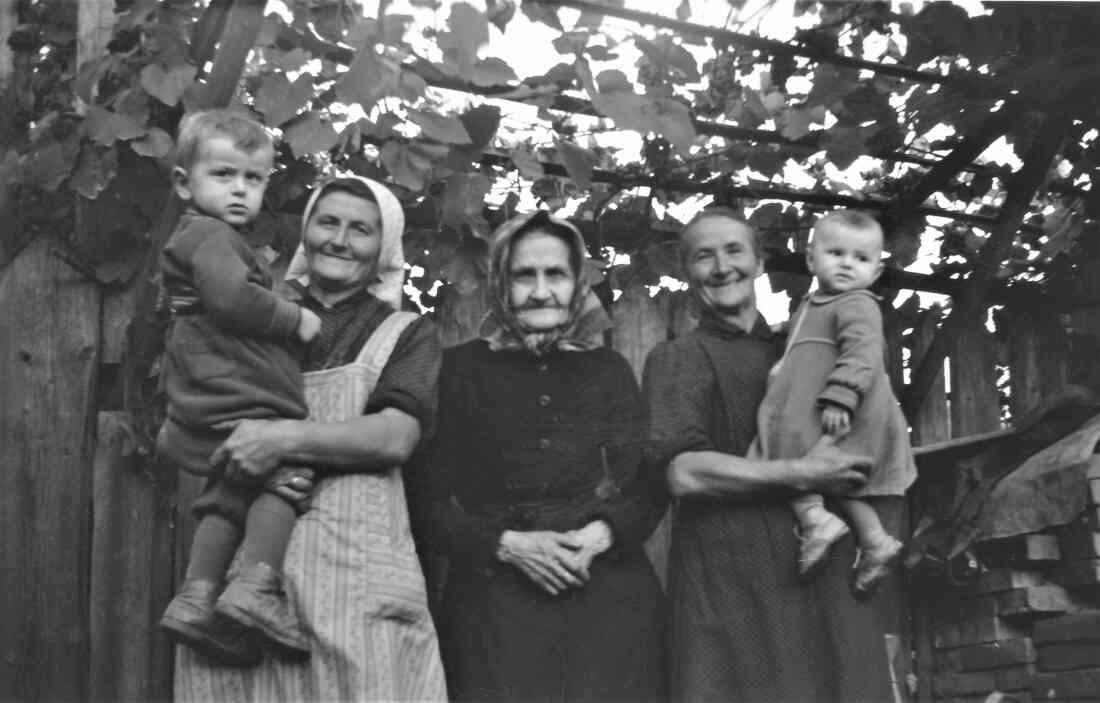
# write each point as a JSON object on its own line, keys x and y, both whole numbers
{"x": 539, "y": 494}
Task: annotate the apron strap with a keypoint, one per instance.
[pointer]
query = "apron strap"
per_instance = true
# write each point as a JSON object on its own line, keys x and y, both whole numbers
{"x": 376, "y": 352}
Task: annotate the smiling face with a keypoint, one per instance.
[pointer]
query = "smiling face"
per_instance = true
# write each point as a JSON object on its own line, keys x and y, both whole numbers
{"x": 225, "y": 181}
{"x": 722, "y": 265}
{"x": 541, "y": 281}
{"x": 342, "y": 241}
{"x": 843, "y": 257}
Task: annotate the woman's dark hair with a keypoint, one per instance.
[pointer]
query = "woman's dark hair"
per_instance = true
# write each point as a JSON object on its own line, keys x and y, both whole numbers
{"x": 544, "y": 222}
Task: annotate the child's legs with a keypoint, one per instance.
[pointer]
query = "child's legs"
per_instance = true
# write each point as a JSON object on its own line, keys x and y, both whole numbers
{"x": 809, "y": 508}
{"x": 267, "y": 531}
{"x": 865, "y": 520}
{"x": 221, "y": 509}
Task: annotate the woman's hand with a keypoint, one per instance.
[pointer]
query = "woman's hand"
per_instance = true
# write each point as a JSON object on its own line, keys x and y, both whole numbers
{"x": 595, "y": 538}
{"x": 294, "y": 485}
{"x": 254, "y": 449}
{"x": 827, "y": 469}
{"x": 547, "y": 558}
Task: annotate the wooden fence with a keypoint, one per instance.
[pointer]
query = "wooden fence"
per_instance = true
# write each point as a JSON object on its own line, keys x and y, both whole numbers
{"x": 92, "y": 539}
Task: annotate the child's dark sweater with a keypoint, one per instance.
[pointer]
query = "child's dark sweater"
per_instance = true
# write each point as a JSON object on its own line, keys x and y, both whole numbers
{"x": 231, "y": 356}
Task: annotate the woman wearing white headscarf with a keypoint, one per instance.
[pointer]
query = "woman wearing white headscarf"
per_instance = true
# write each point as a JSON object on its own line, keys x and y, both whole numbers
{"x": 370, "y": 377}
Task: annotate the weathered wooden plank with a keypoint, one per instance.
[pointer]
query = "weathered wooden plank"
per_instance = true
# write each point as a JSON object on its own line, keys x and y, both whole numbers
{"x": 131, "y": 571}
{"x": 49, "y": 343}
{"x": 1075, "y": 655}
{"x": 979, "y": 657}
{"x": 975, "y": 631}
{"x": 1075, "y": 627}
{"x": 639, "y": 325}
{"x": 1019, "y": 604}
{"x": 932, "y": 422}
{"x": 1037, "y": 354}
{"x": 1082, "y": 684}
{"x": 458, "y": 314}
{"x": 1016, "y": 678}
{"x": 1078, "y": 542}
{"x": 975, "y": 404}
{"x": 998, "y": 580}
{"x": 1074, "y": 574}
{"x": 1022, "y": 551}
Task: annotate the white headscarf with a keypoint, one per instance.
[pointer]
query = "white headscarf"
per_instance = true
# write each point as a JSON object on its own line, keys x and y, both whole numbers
{"x": 390, "y": 273}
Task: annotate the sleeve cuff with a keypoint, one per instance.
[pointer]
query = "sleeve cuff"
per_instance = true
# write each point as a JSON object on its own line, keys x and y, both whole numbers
{"x": 839, "y": 395}
{"x": 284, "y": 323}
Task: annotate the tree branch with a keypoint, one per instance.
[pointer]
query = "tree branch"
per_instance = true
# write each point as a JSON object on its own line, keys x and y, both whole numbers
{"x": 769, "y": 46}
{"x": 970, "y": 302}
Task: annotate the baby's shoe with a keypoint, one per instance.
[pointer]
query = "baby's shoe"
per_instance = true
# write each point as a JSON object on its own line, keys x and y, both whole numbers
{"x": 815, "y": 539}
{"x": 256, "y": 599}
{"x": 190, "y": 619}
{"x": 874, "y": 565}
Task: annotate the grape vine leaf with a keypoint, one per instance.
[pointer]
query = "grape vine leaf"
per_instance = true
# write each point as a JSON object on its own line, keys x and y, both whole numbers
{"x": 156, "y": 143}
{"x": 443, "y": 128}
{"x": 106, "y": 127}
{"x": 94, "y": 171}
{"x": 578, "y": 161}
{"x": 167, "y": 85}
{"x": 310, "y": 134}
{"x": 527, "y": 162}
{"x": 280, "y": 100}
{"x": 492, "y": 71}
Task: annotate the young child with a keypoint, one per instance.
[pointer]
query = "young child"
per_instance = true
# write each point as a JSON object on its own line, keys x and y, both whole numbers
{"x": 230, "y": 356}
{"x": 832, "y": 380}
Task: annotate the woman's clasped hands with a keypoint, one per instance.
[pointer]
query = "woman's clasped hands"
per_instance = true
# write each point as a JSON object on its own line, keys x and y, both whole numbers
{"x": 556, "y": 561}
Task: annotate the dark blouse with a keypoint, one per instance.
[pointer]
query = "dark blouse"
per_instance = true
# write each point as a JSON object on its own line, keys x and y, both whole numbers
{"x": 537, "y": 443}
{"x": 409, "y": 381}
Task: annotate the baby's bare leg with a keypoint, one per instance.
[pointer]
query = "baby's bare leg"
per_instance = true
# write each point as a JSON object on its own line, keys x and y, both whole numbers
{"x": 865, "y": 520}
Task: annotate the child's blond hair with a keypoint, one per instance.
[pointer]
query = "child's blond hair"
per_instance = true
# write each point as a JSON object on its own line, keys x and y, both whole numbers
{"x": 247, "y": 134}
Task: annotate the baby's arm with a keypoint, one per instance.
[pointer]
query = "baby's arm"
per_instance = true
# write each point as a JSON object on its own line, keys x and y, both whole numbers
{"x": 859, "y": 358}
{"x": 240, "y": 306}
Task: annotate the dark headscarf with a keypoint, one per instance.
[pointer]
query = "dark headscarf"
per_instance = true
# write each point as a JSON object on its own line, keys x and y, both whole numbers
{"x": 502, "y": 329}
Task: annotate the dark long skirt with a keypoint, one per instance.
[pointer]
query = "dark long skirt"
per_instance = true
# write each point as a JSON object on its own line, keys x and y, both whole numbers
{"x": 503, "y": 639}
{"x": 745, "y": 630}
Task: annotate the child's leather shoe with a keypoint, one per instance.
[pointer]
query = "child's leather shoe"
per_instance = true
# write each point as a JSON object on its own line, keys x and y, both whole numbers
{"x": 815, "y": 541}
{"x": 190, "y": 619}
{"x": 874, "y": 565}
{"x": 256, "y": 599}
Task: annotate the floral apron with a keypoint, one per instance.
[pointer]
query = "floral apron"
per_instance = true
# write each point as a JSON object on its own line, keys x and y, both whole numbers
{"x": 352, "y": 571}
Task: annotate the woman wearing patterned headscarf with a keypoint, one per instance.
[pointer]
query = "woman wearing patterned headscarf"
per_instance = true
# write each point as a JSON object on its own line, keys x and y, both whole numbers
{"x": 539, "y": 494}
{"x": 370, "y": 379}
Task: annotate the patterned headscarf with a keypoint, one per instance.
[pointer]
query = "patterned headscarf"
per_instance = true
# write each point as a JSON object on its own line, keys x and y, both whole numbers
{"x": 389, "y": 275}
{"x": 502, "y": 329}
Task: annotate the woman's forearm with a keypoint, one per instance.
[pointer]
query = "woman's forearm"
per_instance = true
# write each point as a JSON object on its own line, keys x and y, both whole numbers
{"x": 709, "y": 473}
{"x": 374, "y": 442}
{"x": 824, "y": 469}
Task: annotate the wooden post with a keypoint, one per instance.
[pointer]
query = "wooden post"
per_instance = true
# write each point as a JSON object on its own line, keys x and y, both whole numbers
{"x": 640, "y": 323}
{"x": 1037, "y": 355}
{"x": 458, "y": 315}
{"x": 931, "y": 424}
{"x": 131, "y": 579}
{"x": 975, "y": 406}
{"x": 49, "y": 346}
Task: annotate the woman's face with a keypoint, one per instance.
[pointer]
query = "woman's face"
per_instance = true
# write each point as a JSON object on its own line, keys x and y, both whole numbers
{"x": 342, "y": 241}
{"x": 542, "y": 281}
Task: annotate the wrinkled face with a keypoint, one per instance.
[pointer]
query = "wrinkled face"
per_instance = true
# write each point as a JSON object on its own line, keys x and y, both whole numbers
{"x": 342, "y": 241}
{"x": 224, "y": 181}
{"x": 845, "y": 258}
{"x": 541, "y": 281}
{"x": 721, "y": 263}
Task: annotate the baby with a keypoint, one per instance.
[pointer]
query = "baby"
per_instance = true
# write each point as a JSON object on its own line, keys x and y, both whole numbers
{"x": 231, "y": 355}
{"x": 832, "y": 380}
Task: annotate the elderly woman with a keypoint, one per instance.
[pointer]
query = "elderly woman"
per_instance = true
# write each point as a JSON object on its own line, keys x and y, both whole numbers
{"x": 351, "y": 567}
{"x": 538, "y": 493}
